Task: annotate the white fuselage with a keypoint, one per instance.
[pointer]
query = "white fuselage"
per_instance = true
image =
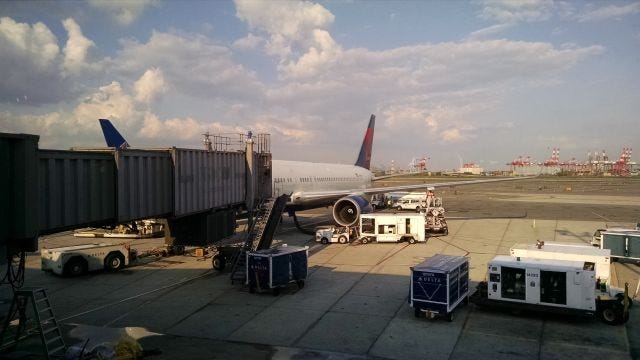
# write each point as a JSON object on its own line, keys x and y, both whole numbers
{"x": 295, "y": 177}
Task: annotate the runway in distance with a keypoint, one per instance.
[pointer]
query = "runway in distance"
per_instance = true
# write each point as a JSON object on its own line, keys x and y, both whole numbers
{"x": 313, "y": 185}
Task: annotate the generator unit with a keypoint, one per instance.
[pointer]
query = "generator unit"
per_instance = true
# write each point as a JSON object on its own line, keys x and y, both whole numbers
{"x": 558, "y": 286}
{"x": 566, "y": 251}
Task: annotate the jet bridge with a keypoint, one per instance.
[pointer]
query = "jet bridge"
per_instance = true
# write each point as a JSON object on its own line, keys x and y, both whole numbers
{"x": 199, "y": 191}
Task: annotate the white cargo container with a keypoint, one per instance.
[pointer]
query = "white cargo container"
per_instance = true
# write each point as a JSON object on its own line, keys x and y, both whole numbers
{"x": 385, "y": 227}
{"x": 565, "y": 251}
{"x": 78, "y": 259}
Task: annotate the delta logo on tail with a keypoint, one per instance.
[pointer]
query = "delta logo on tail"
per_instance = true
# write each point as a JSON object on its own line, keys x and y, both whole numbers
{"x": 364, "y": 158}
{"x": 112, "y": 136}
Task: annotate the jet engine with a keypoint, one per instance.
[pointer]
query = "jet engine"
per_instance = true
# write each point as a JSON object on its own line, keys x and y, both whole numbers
{"x": 347, "y": 210}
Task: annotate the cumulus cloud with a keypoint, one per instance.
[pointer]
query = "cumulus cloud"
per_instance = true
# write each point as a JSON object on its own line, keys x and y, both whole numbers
{"x": 150, "y": 85}
{"x": 603, "y": 13}
{"x": 75, "y": 51}
{"x": 193, "y": 64}
{"x": 29, "y": 63}
{"x": 297, "y": 33}
{"x": 451, "y": 135}
{"x": 124, "y": 12}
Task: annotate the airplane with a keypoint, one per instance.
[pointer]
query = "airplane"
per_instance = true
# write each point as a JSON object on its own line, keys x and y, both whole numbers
{"x": 313, "y": 185}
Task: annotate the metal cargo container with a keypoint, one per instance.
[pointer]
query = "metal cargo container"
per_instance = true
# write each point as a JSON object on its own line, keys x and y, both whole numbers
{"x": 623, "y": 244}
{"x": 206, "y": 180}
{"x": 439, "y": 284}
{"x": 145, "y": 184}
{"x": 76, "y": 189}
{"x": 277, "y": 267}
{"x": 19, "y": 192}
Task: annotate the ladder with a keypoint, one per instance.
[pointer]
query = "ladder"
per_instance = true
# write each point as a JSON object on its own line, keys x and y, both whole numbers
{"x": 45, "y": 322}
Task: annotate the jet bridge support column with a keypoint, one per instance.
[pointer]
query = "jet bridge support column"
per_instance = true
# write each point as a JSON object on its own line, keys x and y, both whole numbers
{"x": 250, "y": 177}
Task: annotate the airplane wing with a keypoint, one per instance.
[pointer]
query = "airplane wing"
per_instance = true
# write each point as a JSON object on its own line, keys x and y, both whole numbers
{"x": 315, "y": 195}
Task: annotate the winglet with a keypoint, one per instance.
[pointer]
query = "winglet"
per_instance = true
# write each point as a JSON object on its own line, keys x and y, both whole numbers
{"x": 112, "y": 136}
{"x": 364, "y": 158}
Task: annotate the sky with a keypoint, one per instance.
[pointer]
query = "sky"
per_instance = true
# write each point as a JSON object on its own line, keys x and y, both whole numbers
{"x": 451, "y": 81}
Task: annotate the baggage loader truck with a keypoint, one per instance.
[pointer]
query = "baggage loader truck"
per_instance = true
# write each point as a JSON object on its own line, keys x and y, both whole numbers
{"x": 556, "y": 286}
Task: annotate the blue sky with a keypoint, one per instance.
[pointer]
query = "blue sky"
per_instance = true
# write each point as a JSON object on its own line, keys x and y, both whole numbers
{"x": 485, "y": 81}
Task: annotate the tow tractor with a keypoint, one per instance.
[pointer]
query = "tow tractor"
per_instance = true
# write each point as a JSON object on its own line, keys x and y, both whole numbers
{"x": 78, "y": 259}
{"x": 335, "y": 234}
{"x": 556, "y": 286}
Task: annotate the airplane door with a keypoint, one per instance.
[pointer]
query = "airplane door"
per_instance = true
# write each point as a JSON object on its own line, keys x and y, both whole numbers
{"x": 532, "y": 286}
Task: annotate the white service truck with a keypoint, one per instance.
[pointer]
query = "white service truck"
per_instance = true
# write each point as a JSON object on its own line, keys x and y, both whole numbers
{"x": 555, "y": 286}
{"x": 386, "y": 227}
{"x": 79, "y": 259}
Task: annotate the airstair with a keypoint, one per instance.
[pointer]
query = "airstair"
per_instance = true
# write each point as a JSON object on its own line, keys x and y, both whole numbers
{"x": 259, "y": 235}
{"x": 18, "y": 326}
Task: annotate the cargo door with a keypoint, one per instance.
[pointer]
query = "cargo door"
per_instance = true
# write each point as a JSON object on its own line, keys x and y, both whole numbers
{"x": 615, "y": 242}
{"x": 533, "y": 291}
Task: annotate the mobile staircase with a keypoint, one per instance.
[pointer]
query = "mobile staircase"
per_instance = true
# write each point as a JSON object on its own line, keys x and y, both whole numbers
{"x": 259, "y": 235}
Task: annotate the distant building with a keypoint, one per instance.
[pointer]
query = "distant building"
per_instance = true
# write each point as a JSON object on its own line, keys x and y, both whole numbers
{"x": 471, "y": 168}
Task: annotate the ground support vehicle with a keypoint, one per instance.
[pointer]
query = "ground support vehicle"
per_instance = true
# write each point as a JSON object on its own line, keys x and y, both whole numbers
{"x": 386, "y": 227}
{"x": 275, "y": 268}
{"x": 335, "y": 234}
{"x": 553, "y": 286}
{"x": 435, "y": 221}
{"x": 565, "y": 251}
{"x": 439, "y": 285}
{"x": 79, "y": 259}
{"x": 409, "y": 204}
{"x": 623, "y": 243}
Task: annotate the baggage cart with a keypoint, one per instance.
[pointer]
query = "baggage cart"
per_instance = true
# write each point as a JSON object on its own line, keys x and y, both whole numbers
{"x": 275, "y": 268}
{"x": 439, "y": 285}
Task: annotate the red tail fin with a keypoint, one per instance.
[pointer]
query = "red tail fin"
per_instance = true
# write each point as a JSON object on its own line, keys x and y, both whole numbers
{"x": 364, "y": 158}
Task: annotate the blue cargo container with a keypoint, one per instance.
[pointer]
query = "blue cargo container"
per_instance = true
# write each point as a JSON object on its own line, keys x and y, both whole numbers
{"x": 275, "y": 268}
{"x": 439, "y": 285}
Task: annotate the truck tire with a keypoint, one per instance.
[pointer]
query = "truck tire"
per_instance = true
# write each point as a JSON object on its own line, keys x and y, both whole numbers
{"x": 364, "y": 240}
{"x": 324, "y": 241}
{"x": 342, "y": 239}
{"x": 114, "y": 261}
{"x": 218, "y": 262}
{"x": 399, "y": 208}
{"x": 611, "y": 314}
{"x": 417, "y": 312}
{"x": 75, "y": 266}
{"x": 412, "y": 240}
{"x": 620, "y": 298}
{"x": 446, "y": 231}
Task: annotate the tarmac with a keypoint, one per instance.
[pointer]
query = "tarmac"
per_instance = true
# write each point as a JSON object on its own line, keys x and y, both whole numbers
{"x": 354, "y": 302}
